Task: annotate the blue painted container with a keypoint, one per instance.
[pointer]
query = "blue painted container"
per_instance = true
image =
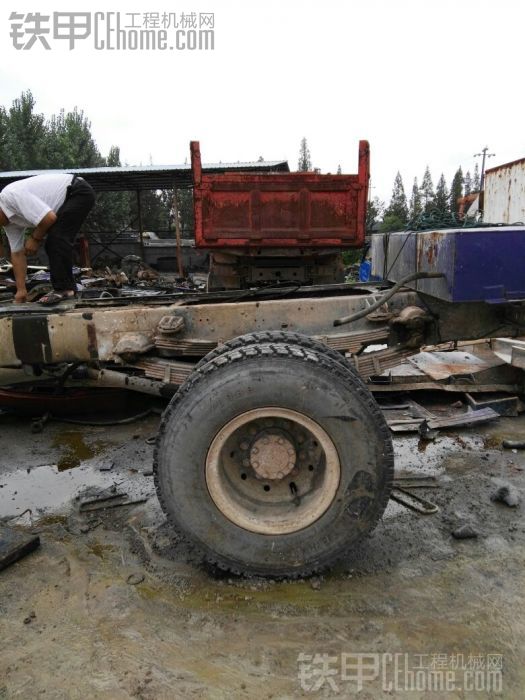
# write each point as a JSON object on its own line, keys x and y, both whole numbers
{"x": 480, "y": 264}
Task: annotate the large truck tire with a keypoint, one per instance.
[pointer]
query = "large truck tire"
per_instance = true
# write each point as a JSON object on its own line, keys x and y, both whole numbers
{"x": 273, "y": 460}
{"x": 267, "y": 337}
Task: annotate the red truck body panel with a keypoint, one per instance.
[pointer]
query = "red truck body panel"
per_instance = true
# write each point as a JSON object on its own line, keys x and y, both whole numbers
{"x": 279, "y": 210}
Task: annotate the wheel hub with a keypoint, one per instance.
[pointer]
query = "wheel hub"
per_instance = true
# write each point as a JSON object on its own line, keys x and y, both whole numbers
{"x": 272, "y": 470}
{"x": 272, "y": 456}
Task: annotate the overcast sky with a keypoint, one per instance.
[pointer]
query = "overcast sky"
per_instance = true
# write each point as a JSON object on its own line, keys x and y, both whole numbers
{"x": 426, "y": 82}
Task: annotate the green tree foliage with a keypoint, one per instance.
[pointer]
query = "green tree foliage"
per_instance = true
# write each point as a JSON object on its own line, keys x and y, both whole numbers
{"x": 69, "y": 143}
{"x": 427, "y": 192}
{"x": 3, "y": 138}
{"x": 415, "y": 207}
{"x": 305, "y": 161}
{"x": 185, "y": 207}
{"x": 374, "y": 212}
{"x": 24, "y": 137}
{"x": 391, "y": 222}
{"x": 30, "y": 142}
{"x": 155, "y": 208}
{"x": 398, "y": 203}
{"x": 456, "y": 190}
{"x": 475, "y": 179}
{"x": 441, "y": 201}
{"x": 112, "y": 213}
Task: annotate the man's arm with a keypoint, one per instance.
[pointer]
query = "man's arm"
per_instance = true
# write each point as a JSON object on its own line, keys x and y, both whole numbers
{"x": 40, "y": 232}
{"x": 19, "y": 262}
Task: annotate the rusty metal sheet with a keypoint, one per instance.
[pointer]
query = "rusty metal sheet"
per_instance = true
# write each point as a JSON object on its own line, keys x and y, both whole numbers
{"x": 441, "y": 365}
{"x": 468, "y": 418}
{"x": 246, "y": 210}
{"x": 504, "y": 196}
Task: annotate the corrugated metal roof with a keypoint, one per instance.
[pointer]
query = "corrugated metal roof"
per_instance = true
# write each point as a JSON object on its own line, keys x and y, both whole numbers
{"x": 145, "y": 177}
{"x": 505, "y": 165}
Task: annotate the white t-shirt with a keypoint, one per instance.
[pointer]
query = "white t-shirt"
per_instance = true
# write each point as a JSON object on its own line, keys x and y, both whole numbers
{"x": 26, "y": 202}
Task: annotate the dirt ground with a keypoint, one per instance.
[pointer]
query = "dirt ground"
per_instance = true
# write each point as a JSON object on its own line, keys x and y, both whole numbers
{"x": 113, "y": 606}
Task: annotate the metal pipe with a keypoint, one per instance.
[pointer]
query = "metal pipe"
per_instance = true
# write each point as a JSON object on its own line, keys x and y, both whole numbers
{"x": 397, "y": 286}
{"x": 110, "y": 378}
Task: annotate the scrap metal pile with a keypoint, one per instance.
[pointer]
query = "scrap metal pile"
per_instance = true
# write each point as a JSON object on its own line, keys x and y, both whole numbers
{"x": 131, "y": 278}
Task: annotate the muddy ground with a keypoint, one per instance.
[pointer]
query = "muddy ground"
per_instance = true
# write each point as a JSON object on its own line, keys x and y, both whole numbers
{"x": 113, "y": 606}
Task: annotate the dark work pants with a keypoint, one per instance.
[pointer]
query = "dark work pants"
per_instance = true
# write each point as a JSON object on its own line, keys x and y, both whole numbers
{"x": 60, "y": 238}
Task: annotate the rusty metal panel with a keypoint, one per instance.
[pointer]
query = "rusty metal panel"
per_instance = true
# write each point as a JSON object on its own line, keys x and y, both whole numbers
{"x": 246, "y": 210}
{"x": 504, "y": 197}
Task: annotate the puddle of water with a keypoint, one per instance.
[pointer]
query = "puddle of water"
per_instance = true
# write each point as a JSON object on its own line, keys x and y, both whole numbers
{"x": 75, "y": 449}
{"x": 46, "y": 488}
{"x": 412, "y": 456}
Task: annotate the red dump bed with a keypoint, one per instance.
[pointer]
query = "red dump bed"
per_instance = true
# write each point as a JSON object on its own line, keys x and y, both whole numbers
{"x": 280, "y": 210}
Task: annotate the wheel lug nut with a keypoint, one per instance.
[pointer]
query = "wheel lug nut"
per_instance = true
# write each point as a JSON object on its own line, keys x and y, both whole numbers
{"x": 245, "y": 462}
{"x": 255, "y": 465}
{"x": 244, "y": 445}
{"x": 255, "y": 450}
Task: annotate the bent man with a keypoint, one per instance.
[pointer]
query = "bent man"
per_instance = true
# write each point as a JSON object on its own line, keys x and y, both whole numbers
{"x": 55, "y": 206}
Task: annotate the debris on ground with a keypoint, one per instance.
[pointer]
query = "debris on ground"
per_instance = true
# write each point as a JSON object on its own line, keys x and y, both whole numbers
{"x": 507, "y": 494}
{"x": 15, "y": 544}
{"x": 415, "y": 503}
{"x": 411, "y": 416}
{"x": 465, "y": 532}
{"x": 513, "y": 444}
{"x": 115, "y": 500}
{"x": 131, "y": 278}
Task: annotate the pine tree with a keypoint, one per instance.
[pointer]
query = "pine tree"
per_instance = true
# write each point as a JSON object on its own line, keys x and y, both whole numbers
{"x": 415, "y": 207}
{"x": 456, "y": 190}
{"x": 305, "y": 161}
{"x": 475, "y": 179}
{"x": 339, "y": 171}
{"x": 441, "y": 203}
{"x": 427, "y": 192}
{"x": 397, "y": 210}
{"x": 374, "y": 211}
{"x": 468, "y": 183}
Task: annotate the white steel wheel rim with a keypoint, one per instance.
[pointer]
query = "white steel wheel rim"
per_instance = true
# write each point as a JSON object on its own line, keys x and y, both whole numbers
{"x": 248, "y": 505}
